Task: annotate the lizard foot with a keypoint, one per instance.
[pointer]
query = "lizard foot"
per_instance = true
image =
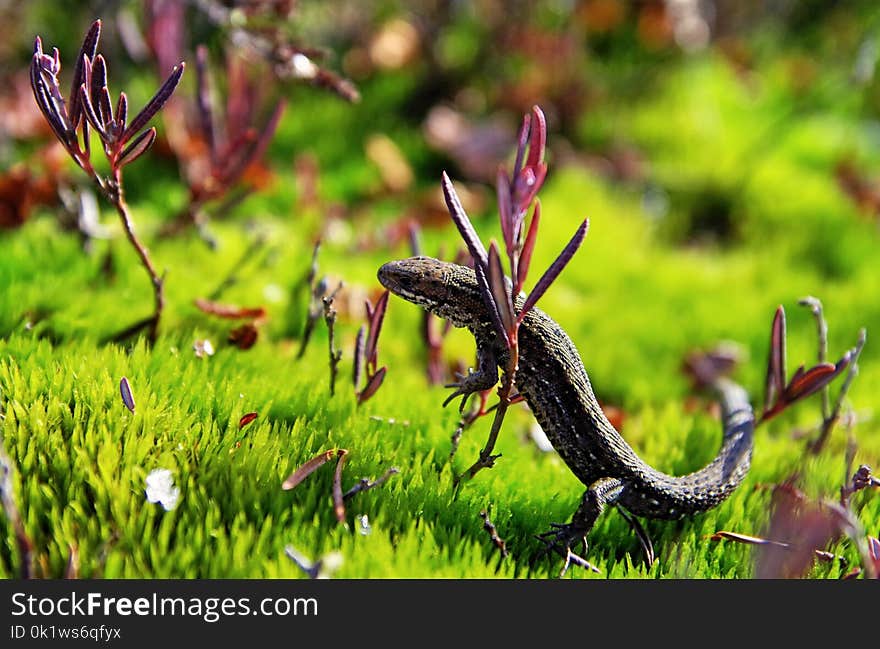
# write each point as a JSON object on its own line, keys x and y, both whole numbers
{"x": 560, "y": 539}
{"x": 465, "y": 386}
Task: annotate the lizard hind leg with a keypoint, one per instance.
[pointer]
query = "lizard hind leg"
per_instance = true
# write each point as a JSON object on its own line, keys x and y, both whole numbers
{"x": 562, "y": 537}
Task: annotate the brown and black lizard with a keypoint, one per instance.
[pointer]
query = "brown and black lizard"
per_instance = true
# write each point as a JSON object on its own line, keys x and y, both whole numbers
{"x": 552, "y": 379}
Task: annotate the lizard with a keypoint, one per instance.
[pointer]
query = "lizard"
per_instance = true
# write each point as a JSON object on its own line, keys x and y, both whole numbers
{"x": 554, "y": 383}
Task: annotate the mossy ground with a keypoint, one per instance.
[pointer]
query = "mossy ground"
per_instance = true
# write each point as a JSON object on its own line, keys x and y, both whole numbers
{"x": 637, "y": 297}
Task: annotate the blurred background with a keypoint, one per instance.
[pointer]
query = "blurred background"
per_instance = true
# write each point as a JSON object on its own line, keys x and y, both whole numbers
{"x": 681, "y": 102}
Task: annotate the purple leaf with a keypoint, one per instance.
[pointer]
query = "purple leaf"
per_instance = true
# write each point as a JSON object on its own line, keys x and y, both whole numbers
{"x": 522, "y": 142}
{"x": 372, "y": 385}
{"x": 463, "y": 223}
{"x": 52, "y": 110}
{"x": 376, "y": 318}
{"x": 505, "y": 211}
{"x": 500, "y": 295}
{"x": 137, "y": 148}
{"x": 89, "y": 112}
{"x": 555, "y": 268}
{"x": 489, "y": 301}
{"x": 105, "y": 110}
{"x": 203, "y": 99}
{"x": 474, "y": 245}
{"x": 97, "y": 82}
{"x": 86, "y": 54}
{"x": 525, "y": 258}
{"x": 121, "y": 113}
{"x": 125, "y": 391}
{"x": 155, "y": 104}
{"x": 359, "y": 355}
{"x": 774, "y": 384}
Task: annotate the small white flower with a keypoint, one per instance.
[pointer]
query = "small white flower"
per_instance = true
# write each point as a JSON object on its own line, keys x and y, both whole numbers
{"x": 161, "y": 489}
{"x": 303, "y": 68}
{"x": 203, "y": 348}
{"x": 363, "y": 525}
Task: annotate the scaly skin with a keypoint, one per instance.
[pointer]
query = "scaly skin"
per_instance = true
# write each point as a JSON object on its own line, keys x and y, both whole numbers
{"x": 552, "y": 379}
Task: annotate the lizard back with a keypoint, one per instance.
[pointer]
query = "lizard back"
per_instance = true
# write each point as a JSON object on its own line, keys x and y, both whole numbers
{"x": 554, "y": 382}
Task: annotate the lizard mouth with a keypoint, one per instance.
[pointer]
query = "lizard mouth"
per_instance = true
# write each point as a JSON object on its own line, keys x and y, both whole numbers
{"x": 392, "y": 278}
{"x": 398, "y": 278}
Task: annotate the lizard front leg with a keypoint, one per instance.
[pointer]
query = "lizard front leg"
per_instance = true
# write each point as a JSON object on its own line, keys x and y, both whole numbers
{"x": 484, "y": 378}
{"x": 562, "y": 537}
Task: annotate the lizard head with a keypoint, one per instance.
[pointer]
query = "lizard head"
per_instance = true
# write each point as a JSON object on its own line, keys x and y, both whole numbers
{"x": 446, "y": 290}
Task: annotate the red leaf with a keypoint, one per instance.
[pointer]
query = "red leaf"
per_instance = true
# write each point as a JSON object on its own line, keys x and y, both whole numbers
{"x": 137, "y": 148}
{"x": 505, "y": 209}
{"x": 121, "y": 111}
{"x": 377, "y": 316}
{"x": 803, "y": 384}
{"x": 229, "y": 311}
{"x": 500, "y": 294}
{"x": 373, "y": 384}
{"x": 522, "y": 142}
{"x": 245, "y": 336}
{"x": 774, "y": 384}
{"x": 246, "y": 419}
{"x": 305, "y": 470}
{"x": 525, "y": 258}
{"x": 537, "y": 139}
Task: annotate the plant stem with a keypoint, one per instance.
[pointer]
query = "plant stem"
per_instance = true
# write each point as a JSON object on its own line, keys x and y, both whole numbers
{"x": 114, "y": 193}
{"x": 486, "y": 460}
{"x": 828, "y": 422}
{"x": 815, "y": 307}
